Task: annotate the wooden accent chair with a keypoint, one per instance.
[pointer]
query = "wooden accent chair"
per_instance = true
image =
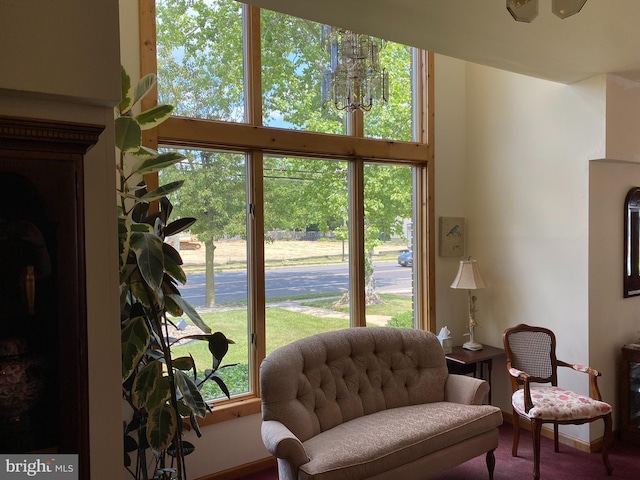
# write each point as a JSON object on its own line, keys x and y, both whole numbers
{"x": 531, "y": 359}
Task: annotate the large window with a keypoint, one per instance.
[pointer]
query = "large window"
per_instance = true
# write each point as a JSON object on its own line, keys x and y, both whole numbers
{"x": 306, "y": 215}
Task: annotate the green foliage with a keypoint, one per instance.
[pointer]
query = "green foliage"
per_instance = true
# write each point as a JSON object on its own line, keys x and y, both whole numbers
{"x": 401, "y": 320}
{"x": 200, "y": 56}
{"x": 159, "y": 391}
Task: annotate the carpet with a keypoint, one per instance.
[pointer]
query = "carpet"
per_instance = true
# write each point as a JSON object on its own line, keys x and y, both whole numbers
{"x": 569, "y": 463}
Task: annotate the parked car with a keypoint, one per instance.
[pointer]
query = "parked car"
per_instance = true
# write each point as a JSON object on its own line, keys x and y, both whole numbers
{"x": 405, "y": 259}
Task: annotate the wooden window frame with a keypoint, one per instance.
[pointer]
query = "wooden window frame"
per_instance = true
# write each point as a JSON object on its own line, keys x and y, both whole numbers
{"x": 257, "y": 140}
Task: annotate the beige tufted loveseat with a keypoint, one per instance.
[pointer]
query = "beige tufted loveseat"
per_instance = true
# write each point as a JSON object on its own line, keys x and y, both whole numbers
{"x": 372, "y": 402}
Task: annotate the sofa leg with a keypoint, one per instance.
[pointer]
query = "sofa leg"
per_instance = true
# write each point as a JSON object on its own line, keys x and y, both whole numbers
{"x": 491, "y": 463}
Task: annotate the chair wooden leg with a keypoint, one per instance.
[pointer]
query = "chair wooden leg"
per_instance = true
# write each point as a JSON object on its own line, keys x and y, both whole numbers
{"x": 556, "y": 444}
{"x": 516, "y": 434}
{"x": 491, "y": 463}
{"x": 606, "y": 441}
{"x": 536, "y": 428}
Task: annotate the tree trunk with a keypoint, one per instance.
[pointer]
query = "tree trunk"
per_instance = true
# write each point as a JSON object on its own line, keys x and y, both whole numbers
{"x": 370, "y": 294}
{"x": 210, "y": 288}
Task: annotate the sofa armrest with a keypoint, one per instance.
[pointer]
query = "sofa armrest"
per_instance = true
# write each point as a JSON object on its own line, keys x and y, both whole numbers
{"x": 282, "y": 443}
{"x": 466, "y": 390}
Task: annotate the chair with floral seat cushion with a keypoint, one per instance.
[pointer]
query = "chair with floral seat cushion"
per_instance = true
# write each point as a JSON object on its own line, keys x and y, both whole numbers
{"x": 533, "y": 370}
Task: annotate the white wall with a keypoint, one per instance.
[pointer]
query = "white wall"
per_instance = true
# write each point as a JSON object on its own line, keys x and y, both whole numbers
{"x": 60, "y": 62}
{"x": 451, "y": 186}
{"x": 65, "y": 48}
{"x": 614, "y": 319}
{"x": 528, "y": 143}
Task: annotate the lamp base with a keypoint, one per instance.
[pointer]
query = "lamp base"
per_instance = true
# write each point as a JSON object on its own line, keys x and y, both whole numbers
{"x": 472, "y": 346}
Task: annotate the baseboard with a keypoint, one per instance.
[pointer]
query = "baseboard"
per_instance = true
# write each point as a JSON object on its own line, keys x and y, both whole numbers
{"x": 242, "y": 470}
{"x": 547, "y": 432}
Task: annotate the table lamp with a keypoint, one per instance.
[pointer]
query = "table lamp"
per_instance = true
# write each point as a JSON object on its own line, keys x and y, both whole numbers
{"x": 469, "y": 277}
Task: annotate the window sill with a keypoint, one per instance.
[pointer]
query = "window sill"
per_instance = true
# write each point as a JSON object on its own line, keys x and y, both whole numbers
{"x": 231, "y": 410}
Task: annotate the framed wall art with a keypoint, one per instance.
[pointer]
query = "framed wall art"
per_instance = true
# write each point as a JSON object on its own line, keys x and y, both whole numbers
{"x": 451, "y": 236}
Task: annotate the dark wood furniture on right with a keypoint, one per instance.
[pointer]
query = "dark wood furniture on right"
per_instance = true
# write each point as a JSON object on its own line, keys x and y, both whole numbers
{"x": 630, "y": 398}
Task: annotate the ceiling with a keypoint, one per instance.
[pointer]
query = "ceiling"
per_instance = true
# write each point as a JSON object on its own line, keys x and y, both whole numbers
{"x": 602, "y": 38}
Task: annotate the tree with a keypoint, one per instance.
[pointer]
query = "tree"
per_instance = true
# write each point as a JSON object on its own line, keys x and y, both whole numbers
{"x": 200, "y": 69}
{"x": 214, "y": 193}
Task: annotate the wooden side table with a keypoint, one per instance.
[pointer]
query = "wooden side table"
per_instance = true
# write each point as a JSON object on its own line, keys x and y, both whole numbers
{"x": 463, "y": 362}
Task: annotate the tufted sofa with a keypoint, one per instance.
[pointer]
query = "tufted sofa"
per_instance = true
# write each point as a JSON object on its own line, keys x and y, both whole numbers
{"x": 372, "y": 402}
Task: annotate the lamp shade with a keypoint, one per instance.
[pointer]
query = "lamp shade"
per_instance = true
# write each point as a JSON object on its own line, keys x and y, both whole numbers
{"x": 468, "y": 276}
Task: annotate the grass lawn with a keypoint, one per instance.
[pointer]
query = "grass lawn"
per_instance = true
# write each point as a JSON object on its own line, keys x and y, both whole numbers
{"x": 393, "y": 305}
{"x": 283, "y": 327}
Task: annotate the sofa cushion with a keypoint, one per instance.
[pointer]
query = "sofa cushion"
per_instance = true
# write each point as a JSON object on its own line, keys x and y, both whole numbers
{"x": 374, "y": 443}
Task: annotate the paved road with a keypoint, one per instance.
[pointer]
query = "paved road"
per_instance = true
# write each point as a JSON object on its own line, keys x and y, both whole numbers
{"x": 283, "y": 282}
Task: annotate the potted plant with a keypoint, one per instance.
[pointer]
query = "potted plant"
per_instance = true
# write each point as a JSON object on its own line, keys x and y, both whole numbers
{"x": 162, "y": 392}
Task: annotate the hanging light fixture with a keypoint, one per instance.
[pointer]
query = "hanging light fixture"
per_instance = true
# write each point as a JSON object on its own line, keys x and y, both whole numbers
{"x": 354, "y": 79}
{"x": 527, "y": 10}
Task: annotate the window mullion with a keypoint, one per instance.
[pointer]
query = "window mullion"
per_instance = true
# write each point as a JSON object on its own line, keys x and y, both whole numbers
{"x": 256, "y": 298}
{"x": 253, "y": 64}
{"x": 356, "y": 243}
{"x": 423, "y": 187}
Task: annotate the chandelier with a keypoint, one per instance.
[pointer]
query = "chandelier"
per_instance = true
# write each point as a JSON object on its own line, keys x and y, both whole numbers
{"x": 354, "y": 79}
{"x": 527, "y": 10}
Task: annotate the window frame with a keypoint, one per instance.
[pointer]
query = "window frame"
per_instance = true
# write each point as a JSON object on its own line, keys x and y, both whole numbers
{"x": 256, "y": 140}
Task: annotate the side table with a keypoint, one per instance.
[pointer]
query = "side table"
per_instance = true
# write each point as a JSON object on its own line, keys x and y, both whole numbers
{"x": 463, "y": 362}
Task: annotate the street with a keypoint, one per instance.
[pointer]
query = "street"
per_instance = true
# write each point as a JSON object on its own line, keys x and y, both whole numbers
{"x": 287, "y": 282}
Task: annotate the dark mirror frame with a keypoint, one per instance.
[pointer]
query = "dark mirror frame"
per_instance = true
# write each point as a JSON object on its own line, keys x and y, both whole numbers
{"x": 631, "y": 268}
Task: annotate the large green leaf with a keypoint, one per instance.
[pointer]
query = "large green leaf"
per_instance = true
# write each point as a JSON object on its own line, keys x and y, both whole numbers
{"x": 179, "y": 225}
{"x": 139, "y": 290}
{"x": 175, "y": 270}
{"x": 134, "y": 340}
{"x": 124, "y": 238}
{"x": 157, "y": 163}
{"x": 128, "y": 134}
{"x": 160, "y": 394}
{"x": 145, "y": 153}
{"x": 172, "y": 307}
{"x": 154, "y": 116}
{"x": 162, "y": 191}
{"x": 143, "y": 87}
{"x": 183, "y": 363}
{"x": 161, "y": 427}
{"x": 191, "y": 396}
{"x": 187, "y": 448}
{"x": 190, "y": 312}
{"x": 218, "y": 346}
{"x": 210, "y": 374}
{"x": 145, "y": 383}
{"x": 126, "y": 92}
{"x": 171, "y": 252}
{"x": 148, "y": 250}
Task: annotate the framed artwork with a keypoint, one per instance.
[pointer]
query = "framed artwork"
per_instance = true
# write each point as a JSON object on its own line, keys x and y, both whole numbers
{"x": 451, "y": 236}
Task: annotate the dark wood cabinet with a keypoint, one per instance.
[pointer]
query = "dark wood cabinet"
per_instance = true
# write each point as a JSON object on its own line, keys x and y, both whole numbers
{"x": 43, "y": 324}
{"x": 630, "y": 397}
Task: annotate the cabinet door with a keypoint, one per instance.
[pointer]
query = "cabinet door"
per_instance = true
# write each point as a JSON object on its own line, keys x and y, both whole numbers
{"x": 630, "y": 398}
{"x": 42, "y": 285}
